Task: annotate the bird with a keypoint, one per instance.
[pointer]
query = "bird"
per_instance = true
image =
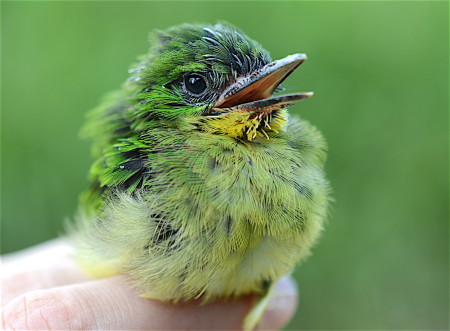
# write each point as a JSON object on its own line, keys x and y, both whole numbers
{"x": 203, "y": 186}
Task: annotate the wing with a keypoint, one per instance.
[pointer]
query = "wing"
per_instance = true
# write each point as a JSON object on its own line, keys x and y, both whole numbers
{"x": 120, "y": 163}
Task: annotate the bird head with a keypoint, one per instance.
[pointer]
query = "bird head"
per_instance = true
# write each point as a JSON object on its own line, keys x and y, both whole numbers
{"x": 211, "y": 78}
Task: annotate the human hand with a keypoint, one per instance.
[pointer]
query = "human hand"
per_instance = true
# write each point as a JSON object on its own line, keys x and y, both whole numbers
{"x": 43, "y": 289}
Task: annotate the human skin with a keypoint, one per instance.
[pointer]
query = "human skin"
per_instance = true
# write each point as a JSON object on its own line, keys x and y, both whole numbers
{"x": 43, "y": 289}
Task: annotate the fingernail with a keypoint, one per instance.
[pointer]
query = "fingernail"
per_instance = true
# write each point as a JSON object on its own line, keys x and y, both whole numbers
{"x": 281, "y": 306}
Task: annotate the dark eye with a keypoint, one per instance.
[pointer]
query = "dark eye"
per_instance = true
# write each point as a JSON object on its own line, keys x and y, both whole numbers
{"x": 195, "y": 84}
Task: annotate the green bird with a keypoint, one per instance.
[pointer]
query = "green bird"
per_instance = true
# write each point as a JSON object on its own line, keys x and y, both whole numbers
{"x": 203, "y": 186}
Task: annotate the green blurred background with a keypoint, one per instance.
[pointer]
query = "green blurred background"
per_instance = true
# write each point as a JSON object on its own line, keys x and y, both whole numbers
{"x": 380, "y": 75}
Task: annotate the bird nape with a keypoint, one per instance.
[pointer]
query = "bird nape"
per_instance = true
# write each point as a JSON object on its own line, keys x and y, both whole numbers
{"x": 202, "y": 187}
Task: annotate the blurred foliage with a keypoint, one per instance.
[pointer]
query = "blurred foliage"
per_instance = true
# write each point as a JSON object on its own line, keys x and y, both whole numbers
{"x": 380, "y": 75}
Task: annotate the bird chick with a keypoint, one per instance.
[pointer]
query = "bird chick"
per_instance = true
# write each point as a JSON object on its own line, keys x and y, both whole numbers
{"x": 203, "y": 187}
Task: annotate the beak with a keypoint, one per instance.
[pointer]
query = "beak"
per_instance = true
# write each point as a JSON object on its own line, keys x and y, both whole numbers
{"x": 253, "y": 93}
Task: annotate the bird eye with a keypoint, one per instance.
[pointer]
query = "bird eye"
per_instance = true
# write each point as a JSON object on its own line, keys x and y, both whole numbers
{"x": 195, "y": 84}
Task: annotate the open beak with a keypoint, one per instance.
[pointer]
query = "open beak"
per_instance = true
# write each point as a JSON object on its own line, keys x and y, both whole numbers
{"x": 253, "y": 93}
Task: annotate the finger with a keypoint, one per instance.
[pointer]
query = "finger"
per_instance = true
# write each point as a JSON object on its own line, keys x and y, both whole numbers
{"x": 54, "y": 248}
{"x": 44, "y": 266}
{"x": 112, "y": 304}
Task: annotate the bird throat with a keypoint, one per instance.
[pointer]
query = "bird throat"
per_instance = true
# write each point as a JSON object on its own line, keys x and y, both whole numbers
{"x": 245, "y": 125}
